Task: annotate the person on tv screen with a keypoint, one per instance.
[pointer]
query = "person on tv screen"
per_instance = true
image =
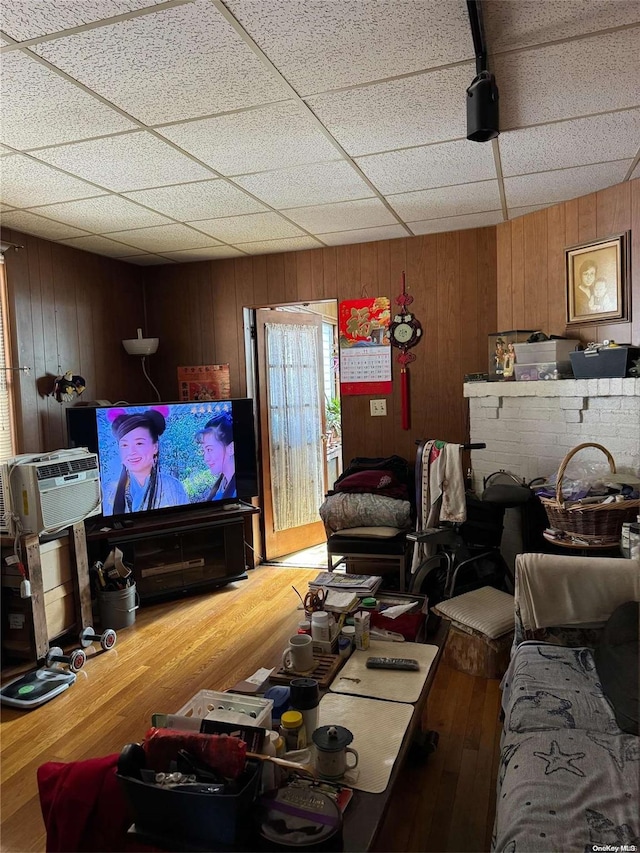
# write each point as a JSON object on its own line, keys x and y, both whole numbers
{"x": 216, "y": 440}
{"x": 141, "y": 485}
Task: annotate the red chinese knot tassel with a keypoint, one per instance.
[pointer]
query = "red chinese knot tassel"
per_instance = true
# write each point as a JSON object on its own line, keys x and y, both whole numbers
{"x": 404, "y": 396}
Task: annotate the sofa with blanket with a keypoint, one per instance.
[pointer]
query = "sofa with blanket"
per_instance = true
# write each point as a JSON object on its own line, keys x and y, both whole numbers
{"x": 570, "y": 752}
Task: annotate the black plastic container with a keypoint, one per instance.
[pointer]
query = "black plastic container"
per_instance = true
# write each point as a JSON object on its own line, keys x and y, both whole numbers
{"x": 199, "y": 818}
{"x": 605, "y": 363}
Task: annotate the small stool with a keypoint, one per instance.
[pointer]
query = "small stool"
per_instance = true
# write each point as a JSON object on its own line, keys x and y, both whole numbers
{"x": 369, "y": 548}
{"x": 481, "y": 632}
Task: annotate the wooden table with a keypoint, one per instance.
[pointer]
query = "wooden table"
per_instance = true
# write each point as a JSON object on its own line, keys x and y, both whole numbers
{"x": 608, "y": 549}
{"x": 364, "y": 815}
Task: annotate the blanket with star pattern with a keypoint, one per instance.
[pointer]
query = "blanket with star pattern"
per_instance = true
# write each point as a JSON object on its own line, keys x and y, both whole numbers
{"x": 568, "y": 776}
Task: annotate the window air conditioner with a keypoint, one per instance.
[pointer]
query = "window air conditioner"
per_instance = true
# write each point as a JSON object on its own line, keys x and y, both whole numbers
{"x": 44, "y": 493}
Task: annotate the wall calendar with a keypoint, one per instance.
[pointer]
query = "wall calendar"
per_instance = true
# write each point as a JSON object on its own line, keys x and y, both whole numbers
{"x": 365, "y": 352}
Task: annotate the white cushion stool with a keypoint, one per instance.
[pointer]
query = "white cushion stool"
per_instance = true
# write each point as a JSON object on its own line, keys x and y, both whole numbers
{"x": 481, "y": 631}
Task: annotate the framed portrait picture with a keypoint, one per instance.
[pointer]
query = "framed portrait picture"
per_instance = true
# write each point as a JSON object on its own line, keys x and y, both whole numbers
{"x": 598, "y": 280}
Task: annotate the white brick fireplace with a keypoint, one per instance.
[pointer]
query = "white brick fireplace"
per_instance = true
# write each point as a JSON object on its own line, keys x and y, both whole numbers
{"x": 529, "y": 427}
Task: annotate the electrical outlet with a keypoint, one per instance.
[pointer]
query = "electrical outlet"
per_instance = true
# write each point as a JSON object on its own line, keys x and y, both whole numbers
{"x": 378, "y": 408}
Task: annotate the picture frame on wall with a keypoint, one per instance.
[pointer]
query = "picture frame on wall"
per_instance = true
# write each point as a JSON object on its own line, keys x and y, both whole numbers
{"x": 597, "y": 277}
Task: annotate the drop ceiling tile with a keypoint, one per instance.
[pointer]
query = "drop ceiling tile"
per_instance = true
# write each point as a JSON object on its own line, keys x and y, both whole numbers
{"x": 147, "y": 260}
{"x": 242, "y": 229}
{"x": 529, "y": 22}
{"x": 177, "y": 63}
{"x": 446, "y": 201}
{"x": 293, "y": 244}
{"x": 40, "y": 108}
{"x": 399, "y": 113}
{"x": 323, "y": 45}
{"x": 569, "y": 80}
{"x": 128, "y": 162}
{"x": 597, "y": 139}
{"x": 30, "y": 223}
{"x": 562, "y": 184}
{"x": 204, "y": 199}
{"x": 106, "y": 213}
{"x": 212, "y": 253}
{"x": 101, "y": 246}
{"x": 364, "y": 235}
{"x": 24, "y": 19}
{"x": 164, "y": 238}
{"x": 303, "y": 185}
{"x": 456, "y": 223}
{"x": 4, "y": 151}
{"x": 345, "y": 215}
{"x": 636, "y": 172}
{"x": 4, "y": 207}
{"x": 429, "y": 166}
{"x": 26, "y": 182}
{"x": 271, "y": 137}
{"x": 514, "y": 212}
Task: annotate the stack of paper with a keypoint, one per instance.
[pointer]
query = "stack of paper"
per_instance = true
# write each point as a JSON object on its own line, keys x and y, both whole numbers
{"x": 360, "y": 585}
{"x": 338, "y": 601}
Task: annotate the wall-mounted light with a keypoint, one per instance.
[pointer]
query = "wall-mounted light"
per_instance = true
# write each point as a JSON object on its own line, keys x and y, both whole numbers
{"x": 143, "y": 347}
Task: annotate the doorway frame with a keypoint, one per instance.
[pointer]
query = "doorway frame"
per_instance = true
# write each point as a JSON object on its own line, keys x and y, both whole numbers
{"x": 253, "y": 391}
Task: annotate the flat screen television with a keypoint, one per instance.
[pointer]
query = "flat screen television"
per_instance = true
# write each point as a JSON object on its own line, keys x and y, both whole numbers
{"x": 169, "y": 455}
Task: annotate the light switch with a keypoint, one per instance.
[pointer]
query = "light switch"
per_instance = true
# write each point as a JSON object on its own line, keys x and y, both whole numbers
{"x": 378, "y": 408}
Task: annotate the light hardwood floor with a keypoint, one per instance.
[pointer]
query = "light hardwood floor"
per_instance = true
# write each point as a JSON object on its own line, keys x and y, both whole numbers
{"x": 213, "y": 641}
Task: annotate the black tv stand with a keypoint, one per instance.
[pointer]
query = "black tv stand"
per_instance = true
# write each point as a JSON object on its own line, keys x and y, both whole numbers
{"x": 181, "y": 552}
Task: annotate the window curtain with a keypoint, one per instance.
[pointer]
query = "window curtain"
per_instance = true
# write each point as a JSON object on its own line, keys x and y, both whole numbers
{"x": 295, "y": 418}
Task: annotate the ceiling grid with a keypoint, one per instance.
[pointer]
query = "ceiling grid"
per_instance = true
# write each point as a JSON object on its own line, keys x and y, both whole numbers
{"x": 159, "y": 131}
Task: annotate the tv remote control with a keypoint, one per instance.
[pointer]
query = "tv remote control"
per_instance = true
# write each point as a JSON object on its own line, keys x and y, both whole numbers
{"x": 392, "y": 663}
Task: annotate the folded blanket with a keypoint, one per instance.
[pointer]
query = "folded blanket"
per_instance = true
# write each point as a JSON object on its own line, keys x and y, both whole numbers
{"x": 572, "y": 590}
{"x": 343, "y": 510}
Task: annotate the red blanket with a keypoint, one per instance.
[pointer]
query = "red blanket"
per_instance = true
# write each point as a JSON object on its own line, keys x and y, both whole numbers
{"x": 373, "y": 482}
{"x": 83, "y": 807}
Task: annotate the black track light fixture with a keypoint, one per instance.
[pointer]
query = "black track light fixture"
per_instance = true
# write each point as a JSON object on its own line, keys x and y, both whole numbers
{"x": 483, "y": 113}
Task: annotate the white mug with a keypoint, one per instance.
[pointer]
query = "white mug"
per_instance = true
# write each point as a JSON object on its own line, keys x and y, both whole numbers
{"x": 298, "y": 656}
{"x": 333, "y": 765}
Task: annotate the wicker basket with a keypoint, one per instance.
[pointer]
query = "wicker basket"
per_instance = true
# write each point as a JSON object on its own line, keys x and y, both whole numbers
{"x": 603, "y": 521}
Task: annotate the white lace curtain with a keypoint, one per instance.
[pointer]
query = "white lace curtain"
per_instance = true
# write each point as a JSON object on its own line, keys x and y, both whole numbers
{"x": 296, "y": 449}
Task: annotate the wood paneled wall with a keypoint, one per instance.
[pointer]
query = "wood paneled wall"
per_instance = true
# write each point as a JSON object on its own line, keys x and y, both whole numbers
{"x": 197, "y": 311}
{"x": 69, "y": 310}
{"x": 531, "y": 262}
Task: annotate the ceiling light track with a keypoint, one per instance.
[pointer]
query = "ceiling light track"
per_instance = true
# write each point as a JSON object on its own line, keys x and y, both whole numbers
{"x": 483, "y": 119}
{"x": 477, "y": 32}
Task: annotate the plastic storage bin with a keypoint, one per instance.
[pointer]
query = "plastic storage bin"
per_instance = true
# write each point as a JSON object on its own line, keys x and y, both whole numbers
{"x": 548, "y": 370}
{"x": 545, "y": 351}
{"x": 215, "y": 705}
{"x": 192, "y": 819}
